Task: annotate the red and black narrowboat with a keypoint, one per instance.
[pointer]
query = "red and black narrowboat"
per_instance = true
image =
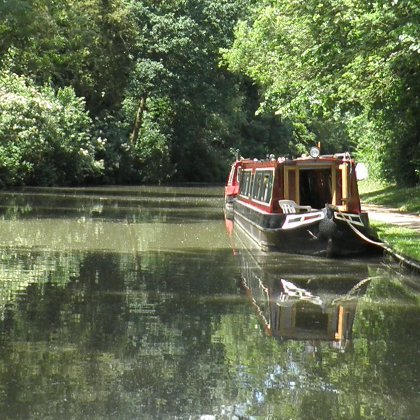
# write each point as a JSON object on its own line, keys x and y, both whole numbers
{"x": 308, "y": 205}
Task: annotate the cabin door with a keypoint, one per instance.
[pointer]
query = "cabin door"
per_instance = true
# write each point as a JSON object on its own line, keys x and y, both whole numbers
{"x": 317, "y": 186}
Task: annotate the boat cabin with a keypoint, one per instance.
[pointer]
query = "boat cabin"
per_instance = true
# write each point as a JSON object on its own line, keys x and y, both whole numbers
{"x": 305, "y": 183}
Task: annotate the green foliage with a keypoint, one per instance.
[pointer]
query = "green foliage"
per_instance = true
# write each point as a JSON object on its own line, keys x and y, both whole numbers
{"x": 149, "y": 73}
{"x": 152, "y": 154}
{"x": 44, "y": 136}
{"x": 343, "y": 73}
{"x": 163, "y": 57}
{"x": 339, "y": 64}
{"x": 69, "y": 43}
{"x": 206, "y": 110}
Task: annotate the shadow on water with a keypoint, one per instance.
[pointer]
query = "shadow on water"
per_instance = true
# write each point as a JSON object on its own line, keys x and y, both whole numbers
{"x": 178, "y": 191}
{"x": 125, "y": 203}
{"x": 104, "y": 318}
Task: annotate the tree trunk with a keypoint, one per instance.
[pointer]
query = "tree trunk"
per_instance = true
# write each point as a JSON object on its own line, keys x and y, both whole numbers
{"x": 138, "y": 122}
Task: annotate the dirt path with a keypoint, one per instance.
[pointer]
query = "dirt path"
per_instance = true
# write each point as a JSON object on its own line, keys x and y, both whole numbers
{"x": 393, "y": 216}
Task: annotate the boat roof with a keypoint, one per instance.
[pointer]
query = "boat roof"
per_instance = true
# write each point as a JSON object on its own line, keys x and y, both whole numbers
{"x": 302, "y": 160}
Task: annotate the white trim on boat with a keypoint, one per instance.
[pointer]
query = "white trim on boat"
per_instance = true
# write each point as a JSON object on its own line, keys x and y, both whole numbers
{"x": 295, "y": 220}
{"x": 354, "y": 219}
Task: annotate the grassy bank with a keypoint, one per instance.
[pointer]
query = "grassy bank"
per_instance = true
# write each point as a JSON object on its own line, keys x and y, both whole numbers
{"x": 403, "y": 241}
{"x": 406, "y": 200}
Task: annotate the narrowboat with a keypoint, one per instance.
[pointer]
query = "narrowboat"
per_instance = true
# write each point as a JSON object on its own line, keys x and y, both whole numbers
{"x": 307, "y": 205}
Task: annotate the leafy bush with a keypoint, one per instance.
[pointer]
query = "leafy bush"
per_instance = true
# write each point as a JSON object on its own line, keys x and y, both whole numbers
{"x": 152, "y": 153}
{"x": 44, "y": 135}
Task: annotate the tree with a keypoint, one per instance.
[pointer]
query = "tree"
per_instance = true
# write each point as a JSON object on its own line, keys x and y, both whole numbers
{"x": 150, "y": 75}
{"x": 177, "y": 87}
{"x": 85, "y": 45}
{"x": 331, "y": 65}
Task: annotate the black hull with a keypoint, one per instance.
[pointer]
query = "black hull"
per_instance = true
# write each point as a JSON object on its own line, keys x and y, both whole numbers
{"x": 326, "y": 236}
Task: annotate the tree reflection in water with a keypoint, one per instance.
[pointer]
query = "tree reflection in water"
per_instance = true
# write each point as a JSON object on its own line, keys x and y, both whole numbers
{"x": 107, "y": 312}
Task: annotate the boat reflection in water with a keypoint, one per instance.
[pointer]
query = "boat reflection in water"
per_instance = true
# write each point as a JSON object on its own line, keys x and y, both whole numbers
{"x": 301, "y": 298}
{"x": 292, "y": 312}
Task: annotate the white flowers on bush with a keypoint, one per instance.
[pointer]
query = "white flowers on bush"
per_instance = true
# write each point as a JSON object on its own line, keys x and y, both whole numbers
{"x": 125, "y": 146}
{"x": 45, "y": 135}
{"x": 99, "y": 164}
{"x": 101, "y": 143}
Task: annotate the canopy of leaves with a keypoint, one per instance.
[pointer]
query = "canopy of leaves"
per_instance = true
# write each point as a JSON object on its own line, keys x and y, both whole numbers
{"x": 177, "y": 87}
{"x": 345, "y": 73}
{"x": 149, "y": 73}
{"x": 69, "y": 43}
{"x": 352, "y": 64}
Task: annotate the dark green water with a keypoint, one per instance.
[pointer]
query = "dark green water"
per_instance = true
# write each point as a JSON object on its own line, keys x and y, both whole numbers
{"x": 136, "y": 303}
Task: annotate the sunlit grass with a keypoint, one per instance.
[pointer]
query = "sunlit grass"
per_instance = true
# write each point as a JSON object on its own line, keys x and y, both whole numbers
{"x": 403, "y": 199}
{"x": 368, "y": 186}
{"x": 402, "y": 240}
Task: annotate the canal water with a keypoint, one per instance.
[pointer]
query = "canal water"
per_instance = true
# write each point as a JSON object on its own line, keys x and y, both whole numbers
{"x": 132, "y": 303}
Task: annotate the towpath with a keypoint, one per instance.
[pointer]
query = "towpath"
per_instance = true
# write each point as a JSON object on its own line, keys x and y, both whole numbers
{"x": 393, "y": 216}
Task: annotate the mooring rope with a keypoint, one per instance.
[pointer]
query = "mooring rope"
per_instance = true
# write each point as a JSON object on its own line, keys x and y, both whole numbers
{"x": 404, "y": 260}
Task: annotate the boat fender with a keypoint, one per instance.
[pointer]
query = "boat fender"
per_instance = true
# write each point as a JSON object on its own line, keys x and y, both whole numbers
{"x": 329, "y": 213}
{"x": 327, "y": 226}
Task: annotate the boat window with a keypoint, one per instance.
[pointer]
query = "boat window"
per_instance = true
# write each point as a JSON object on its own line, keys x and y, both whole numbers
{"x": 245, "y": 183}
{"x": 315, "y": 187}
{"x": 263, "y": 183}
{"x": 257, "y": 185}
{"x": 268, "y": 187}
